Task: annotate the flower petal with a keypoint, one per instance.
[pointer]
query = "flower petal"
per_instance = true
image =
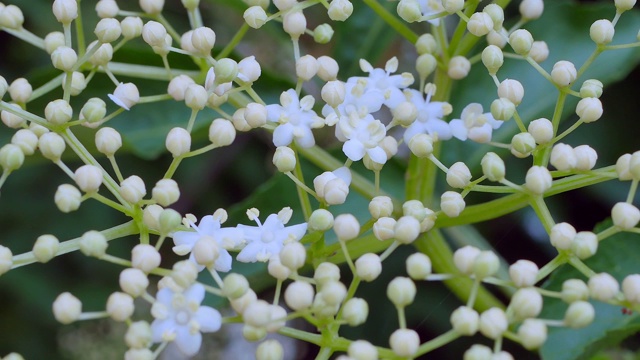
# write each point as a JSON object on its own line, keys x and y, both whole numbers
{"x": 195, "y": 293}
{"x": 223, "y": 263}
{"x": 209, "y": 319}
{"x": 377, "y": 154}
{"x": 458, "y": 129}
{"x": 354, "y": 150}
{"x": 188, "y": 343}
{"x": 283, "y": 135}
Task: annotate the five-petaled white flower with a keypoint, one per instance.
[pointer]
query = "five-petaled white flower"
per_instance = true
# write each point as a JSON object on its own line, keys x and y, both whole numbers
{"x": 266, "y": 240}
{"x": 295, "y": 118}
{"x": 382, "y": 80}
{"x": 362, "y": 135}
{"x": 429, "y": 118}
{"x": 474, "y": 124}
{"x": 226, "y": 238}
{"x": 180, "y": 318}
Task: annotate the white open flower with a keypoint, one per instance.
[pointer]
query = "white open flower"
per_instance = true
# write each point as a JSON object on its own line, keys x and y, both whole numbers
{"x": 180, "y": 318}
{"x": 362, "y": 135}
{"x": 429, "y": 120}
{"x": 383, "y": 81}
{"x": 474, "y": 124}
{"x": 296, "y": 118}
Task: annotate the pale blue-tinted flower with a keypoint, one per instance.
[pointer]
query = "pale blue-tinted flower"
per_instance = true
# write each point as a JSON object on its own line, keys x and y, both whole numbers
{"x": 295, "y": 118}
{"x": 383, "y": 81}
{"x": 429, "y": 118}
{"x": 266, "y": 240}
{"x": 474, "y": 124}
{"x": 362, "y": 135}
{"x": 431, "y": 7}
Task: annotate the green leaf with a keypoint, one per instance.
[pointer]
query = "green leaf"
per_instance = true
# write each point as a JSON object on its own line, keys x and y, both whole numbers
{"x": 618, "y": 256}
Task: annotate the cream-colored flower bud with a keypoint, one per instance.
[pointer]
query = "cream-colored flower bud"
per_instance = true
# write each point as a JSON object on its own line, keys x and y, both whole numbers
{"x": 88, "y": 178}
{"x": 425, "y": 65}
{"x": 67, "y": 198}
{"x": 634, "y": 165}
{"x": 53, "y": 40}
{"x": 284, "y": 159}
{"x": 426, "y": 44}
{"x": 602, "y": 32}
{"x": 562, "y": 235}
{"x": 108, "y": 141}
{"x": 327, "y": 68}
{"x": 125, "y": 95}
{"x": 326, "y": 272}
{"x": 203, "y": 39}
{"x": 64, "y": 58}
{"x": 93, "y": 243}
{"x": 323, "y": 33}
{"x": 521, "y": 41}
{"x": 26, "y": 140}
{"x": 418, "y": 266}
{"x": 11, "y": 120}
{"x": 11, "y": 157}
{"x": 144, "y": 256}
{"x": 603, "y": 287}
{"x": 390, "y": 146}
{"x": 421, "y": 145}
{"x": 564, "y": 73}
{"x": 20, "y": 90}
{"x": 78, "y": 82}
{"x": 277, "y": 320}
{"x": 133, "y": 281}
{"x": 293, "y": 255}
{"x": 151, "y": 6}
{"x": 46, "y": 248}
{"x": 165, "y": 192}
{"x": 225, "y": 70}
{"x": 39, "y": 130}
{"x": 409, "y": 10}
{"x": 541, "y": 130}
{"x": 11, "y": 17}
{"x": 120, "y": 306}
{"x": 623, "y": 167}
{"x": 405, "y": 113}
{"x": 195, "y": 97}
{"x": 320, "y": 220}
{"x": 306, "y": 67}
{"x": 335, "y": 191}
{"x": 464, "y": 258}
{"x": 133, "y": 189}
{"x": 65, "y": 11}
{"x": 131, "y": 27}
{"x": 355, "y": 311}
{"x": 294, "y": 23}
{"x": 479, "y": 24}
{"x": 255, "y": 114}
{"x": 522, "y": 144}
{"x": 255, "y": 17}
{"x": 340, "y": 10}
{"x": 523, "y": 273}
{"x": 485, "y": 264}
{"x": 108, "y": 30}
{"x": 498, "y": 38}
{"x": 368, "y": 267}
{"x": 502, "y": 109}
{"x": 532, "y": 333}
{"x": 346, "y": 227}
{"x": 538, "y": 180}
{"x": 178, "y": 86}
{"x": 539, "y": 51}
{"x": 497, "y": 15}
{"x": 283, "y": 5}
{"x": 631, "y": 288}
{"x": 384, "y": 228}
{"x": 493, "y": 166}
{"x": 58, "y": 112}
{"x": 465, "y": 321}
{"x": 333, "y": 293}
{"x": 362, "y": 350}
{"x": 299, "y": 295}
{"x": 240, "y": 304}
{"x": 154, "y": 33}
{"x": 493, "y": 323}
{"x": 107, "y": 9}
{"x": 4, "y": 86}
{"x": 93, "y": 110}
{"x": 6, "y": 259}
{"x": 235, "y": 286}
{"x": 579, "y": 314}
{"x": 459, "y": 175}
{"x": 589, "y": 109}
{"x": 184, "y": 273}
{"x": 67, "y": 308}
{"x": 221, "y": 132}
{"x": 406, "y": 229}
{"x": 512, "y": 90}
{"x": 585, "y": 244}
{"x": 459, "y": 67}
{"x": 586, "y": 157}
{"x": 563, "y": 157}
{"x": 333, "y": 93}
{"x": 492, "y": 58}
{"x": 591, "y": 88}
{"x": 404, "y": 342}
{"x": 178, "y": 141}
{"x": 625, "y": 215}
{"x": 270, "y": 349}
{"x": 138, "y": 335}
{"x": 526, "y": 303}
{"x": 253, "y": 333}
{"x": 401, "y": 291}
{"x": 452, "y": 203}
{"x": 624, "y": 5}
{"x": 478, "y": 352}
{"x": 452, "y": 6}
{"x": 380, "y": 206}
{"x": 205, "y": 251}
{"x": 531, "y": 9}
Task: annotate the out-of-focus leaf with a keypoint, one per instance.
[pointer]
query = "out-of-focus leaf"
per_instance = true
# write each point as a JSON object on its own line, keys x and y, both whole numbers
{"x": 618, "y": 256}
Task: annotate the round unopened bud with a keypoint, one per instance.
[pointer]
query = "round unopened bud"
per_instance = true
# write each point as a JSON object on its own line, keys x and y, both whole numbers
{"x": 539, "y": 51}
{"x": 418, "y": 266}
{"x": 406, "y": 229}
{"x": 511, "y": 90}
{"x": 108, "y": 141}
{"x": 270, "y": 349}
{"x": 67, "y": 308}
{"x": 11, "y": 17}
{"x": 107, "y": 9}
{"x": 480, "y": 23}
{"x": 64, "y": 58}
{"x": 541, "y": 130}
{"x": 45, "y": 248}
{"x": 145, "y": 257}
{"x": 574, "y": 290}
{"x": 333, "y": 93}
{"x": 409, "y": 10}
{"x": 459, "y": 67}
{"x": 452, "y": 6}
{"x": 579, "y": 314}
{"x": 6, "y": 259}
{"x": 538, "y": 180}
{"x": 368, "y": 267}
{"x": 253, "y": 333}
{"x": 235, "y": 286}
{"x": 401, "y": 291}
{"x": 203, "y": 39}
{"x": 465, "y": 321}
{"x": 523, "y": 273}
{"x": 120, "y": 306}
{"x": 498, "y": 38}
{"x": 425, "y": 65}
{"x": 502, "y": 109}
{"x": 380, "y": 206}
{"x": 426, "y": 44}
{"x": 404, "y": 342}
{"x": 58, "y": 112}
{"x": 320, "y": 220}
{"x": 205, "y": 250}
{"x": 67, "y": 198}
{"x": 306, "y": 67}
{"x": 255, "y": 114}
{"x": 53, "y": 40}
{"x": 195, "y": 97}
{"x": 492, "y": 58}
{"x": 299, "y": 295}
{"x": 624, "y": 5}
{"x": 405, "y": 113}
{"x": 294, "y": 23}
{"x": 151, "y": 6}
{"x": 221, "y": 132}
{"x": 532, "y": 333}
{"x": 327, "y": 68}
{"x": 564, "y": 73}
{"x": 497, "y": 15}
{"x": 526, "y": 303}
{"x": 478, "y": 352}
{"x": 178, "y": 141}
{"x": 464, "y": 258}
{"x": 585, "y": 244}
{"x": 452, "y": 203}
{"x": 384, "y": 228}
{"x": 531, "y": 9}
{"x": 165, "y": 192}
{"x": 65, "y": 11}
{"x": 284, "y": 159}
{"x": 26, "y": 140}
{"x": 11, "y": 157}
{"x": 333, "y": 293}
{"x": 78, "y": 82}
{"x": 346, "y": 227}
{"x": 623, "y": 167}
{"x": 154, "y": 33}
{"x": 340, "y": 10}
{"x": 602, "y": 32}
{"x": 631, "y": 288}
{"x": 178, "y": 86}
{"x": 93, "y": 110}
{"x": 323, "y": 33}
{"x": 283, "y": 5}
{"x": 485, "y": 264}
{"x": 591, "y": 88}
{"x": 184, "y": 273}
{"x": 586, "y": 157}
{"x": 421, "y": 145}
{"x": 326, "y": 272}
{"x": 138, "y": 336}
{"x": 131, "y": 27}
{"x": 125, "y": 95}
{"x": 93, "y": 243}
{"x": 20, "y": 90}
{"x": 562, "y": 236}
{"x": 603, "y": 287}
{"x": 522, "y": 144}
{"x": 493, "y": 166}
{"x": 108, "y": 30}
{"x": 589, "y": 109}
{"x": 255, "y": 17}
{"x": 521, "y": 41}
{"x": 459, "y": 175}
{"x": 133, "y": 281}
{"x": 133, "y": 189}
{"x": 493, "y": 323}
{"x": 362, "y": 350}
{"x": 293, "y": 255}
{"x": 625, "y": 215}
{"x": 4, "y": 86}
{"x": 355, "y": 311}
{"x": 563, "y": 157}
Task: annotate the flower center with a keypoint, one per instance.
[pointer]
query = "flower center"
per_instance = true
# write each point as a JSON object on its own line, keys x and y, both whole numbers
{"x": 267, "y": 236}
{"x": 182, "y": 317}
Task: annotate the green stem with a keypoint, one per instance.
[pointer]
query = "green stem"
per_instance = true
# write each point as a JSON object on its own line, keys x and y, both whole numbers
{"x": 541, "y": 209}
{"x": 234, "y": 41}
{"x": 303, "y": 195}
{"x": 80, "y": 32}
{"x": 437, "y": 342}
{"x": 399, "y": 26}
